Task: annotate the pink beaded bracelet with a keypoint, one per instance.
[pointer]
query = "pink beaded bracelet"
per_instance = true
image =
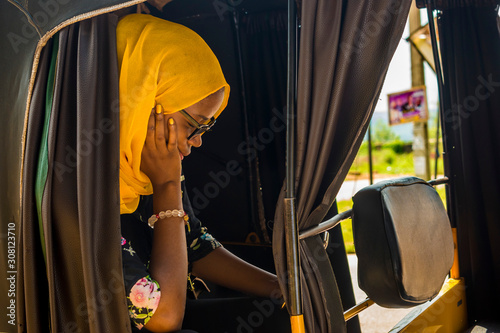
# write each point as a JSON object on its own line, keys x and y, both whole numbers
{"x": 161, "y": 215}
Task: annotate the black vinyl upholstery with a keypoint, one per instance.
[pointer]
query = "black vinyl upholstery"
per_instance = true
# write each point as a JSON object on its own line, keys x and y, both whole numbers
{"x": 403, "y": 241}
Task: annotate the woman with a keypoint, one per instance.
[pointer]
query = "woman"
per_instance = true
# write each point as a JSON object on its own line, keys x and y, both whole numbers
{"x": 168, "y": 67}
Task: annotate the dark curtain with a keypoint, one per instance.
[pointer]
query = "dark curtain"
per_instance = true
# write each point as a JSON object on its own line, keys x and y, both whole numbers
{"x": 345, "y": 50}
{"x": 470, "y": 48}
{"x": 263, "y": 52}
{"x": 338, "y": 260}
{"x": 33, "y": 295}
{"x": 79, "y": 284}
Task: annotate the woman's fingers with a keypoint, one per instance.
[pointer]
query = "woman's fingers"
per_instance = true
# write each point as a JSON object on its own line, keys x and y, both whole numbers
{"x": 156, "y": 138}
{"x": 172, "y": 135}
{"x": 159, "y": 128}
{"x": 161, "y": 136}
{"x": 150, "y": 134}
{"x": 160, "y": 157}
{"x": 149, "y": 144}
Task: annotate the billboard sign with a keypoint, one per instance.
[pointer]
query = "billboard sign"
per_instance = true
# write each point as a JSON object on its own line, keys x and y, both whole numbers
{"x": 408, "y": 106}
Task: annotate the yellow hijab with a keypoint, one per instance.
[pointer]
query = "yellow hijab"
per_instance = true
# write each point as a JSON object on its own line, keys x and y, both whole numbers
{"x": 160, "y": 62}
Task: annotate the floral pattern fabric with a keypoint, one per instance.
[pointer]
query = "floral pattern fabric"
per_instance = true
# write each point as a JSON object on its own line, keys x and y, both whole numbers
{"x": 143, "y": 301}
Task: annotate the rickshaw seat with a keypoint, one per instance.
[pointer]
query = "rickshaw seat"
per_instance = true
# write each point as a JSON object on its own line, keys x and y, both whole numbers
{"x": 403, "y": 241}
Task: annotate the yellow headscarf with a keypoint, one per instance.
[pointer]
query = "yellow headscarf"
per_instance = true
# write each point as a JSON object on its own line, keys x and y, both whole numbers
{"x": 160, "y": 62}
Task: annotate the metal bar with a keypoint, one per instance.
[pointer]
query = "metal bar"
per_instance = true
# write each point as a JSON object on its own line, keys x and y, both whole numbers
{"x": 355, "y": 310}
{"x": 327, "y": 225}
{"x": 436, "y": 148}
{"x": 437, "y": 65}
{"x": 293, "y": 258}
{"x": 370, "y": 157}
{"x": 438, "y": 181}
{"x": 291, "y": 228}
{"x": 291, "y": 100}
{"x": 435, "y": 53}
{"x": 441, "y": 85}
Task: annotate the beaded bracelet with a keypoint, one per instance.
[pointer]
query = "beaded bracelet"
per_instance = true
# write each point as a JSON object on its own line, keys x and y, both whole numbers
{"x": 161, "y": 215}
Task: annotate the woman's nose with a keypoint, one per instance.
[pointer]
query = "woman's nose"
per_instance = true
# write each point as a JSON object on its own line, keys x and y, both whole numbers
{"x": 195, "y": 141}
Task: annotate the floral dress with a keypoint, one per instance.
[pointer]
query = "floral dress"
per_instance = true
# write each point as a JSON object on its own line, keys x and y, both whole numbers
{"x": 143, "y": 292}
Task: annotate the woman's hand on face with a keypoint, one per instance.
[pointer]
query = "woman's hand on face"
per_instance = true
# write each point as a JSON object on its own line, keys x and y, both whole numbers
{"x": 161, "y": 161}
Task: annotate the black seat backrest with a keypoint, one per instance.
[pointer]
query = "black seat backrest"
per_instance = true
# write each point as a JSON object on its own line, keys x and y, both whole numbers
{"x": 403, "y": 241}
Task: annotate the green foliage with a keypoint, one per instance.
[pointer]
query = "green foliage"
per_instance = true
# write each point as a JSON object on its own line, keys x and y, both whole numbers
{"x": 383, "y": 133}
{"x": 398, "y": 146}
{"x": 348, "y": 236}
{"x": 385, "y": 160}
{"x": 441, "y": 190}
{"x": 389, "y": 159}
{"x": 346, "y": 226}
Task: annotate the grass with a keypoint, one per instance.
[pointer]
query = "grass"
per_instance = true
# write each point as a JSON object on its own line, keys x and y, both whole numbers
{"x": 394, "y": 158}
{"x": 346, "y": 226}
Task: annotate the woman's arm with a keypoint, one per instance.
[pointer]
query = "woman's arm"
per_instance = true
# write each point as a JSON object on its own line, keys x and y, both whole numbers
{"x": 224, "y": 268}
{"x": 168, "y": 266}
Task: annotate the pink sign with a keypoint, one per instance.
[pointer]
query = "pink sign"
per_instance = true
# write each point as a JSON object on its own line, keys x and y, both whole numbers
{"x": 408, "y": 106}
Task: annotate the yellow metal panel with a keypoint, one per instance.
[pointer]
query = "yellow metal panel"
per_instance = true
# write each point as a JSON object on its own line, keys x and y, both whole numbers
{"x": 298, "y": 324}
{"x": 455, "y": 271}
{"x": 447, "y": 313}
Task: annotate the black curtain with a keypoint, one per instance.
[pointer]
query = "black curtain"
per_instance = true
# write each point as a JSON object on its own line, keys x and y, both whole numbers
{"x": 263, "y": 52}
{"x": 470, "y": 48}
{"x": 33, "y": 295}
{"x": 79, "y": 283}
{"x": 345, "y": 50}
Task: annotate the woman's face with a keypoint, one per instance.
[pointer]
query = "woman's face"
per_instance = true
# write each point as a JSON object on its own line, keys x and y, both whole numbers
{"x": 201, "y": 112}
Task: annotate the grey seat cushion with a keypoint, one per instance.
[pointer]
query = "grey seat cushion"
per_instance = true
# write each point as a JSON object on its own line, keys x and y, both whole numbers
{"x": 403, "y": 241}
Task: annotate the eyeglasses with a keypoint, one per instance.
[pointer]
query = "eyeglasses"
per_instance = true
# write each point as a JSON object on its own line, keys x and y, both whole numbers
{"x": 200, "y": 128}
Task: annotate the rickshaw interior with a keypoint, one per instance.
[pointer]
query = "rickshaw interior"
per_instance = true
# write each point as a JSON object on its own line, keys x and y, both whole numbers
{"x": 244, "y": 168}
